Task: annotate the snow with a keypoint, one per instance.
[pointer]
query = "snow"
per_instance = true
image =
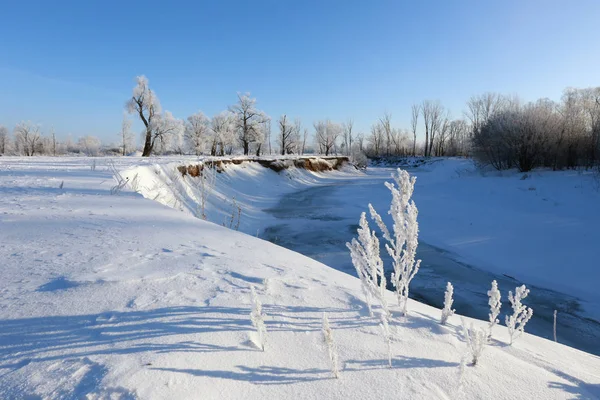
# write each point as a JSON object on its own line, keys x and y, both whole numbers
{"x": 119, "y": 296}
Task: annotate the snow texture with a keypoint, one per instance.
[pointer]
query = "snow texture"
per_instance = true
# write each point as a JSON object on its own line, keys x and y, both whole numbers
{"x": 118, "y": 296}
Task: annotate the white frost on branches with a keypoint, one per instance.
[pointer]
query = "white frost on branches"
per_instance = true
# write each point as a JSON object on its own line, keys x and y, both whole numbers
{"x": 476, "y": 339}
{"x": 387, "y": 336}
{"x": 368, "y": 264}
{"x": 402, "y": 246}
{"x": 447, "y": 311}
{"x": 495, "y": 305}
{"x": 258, "y": 319}
{"x": 332, "y": 351}
{"x": 521, "y": 313}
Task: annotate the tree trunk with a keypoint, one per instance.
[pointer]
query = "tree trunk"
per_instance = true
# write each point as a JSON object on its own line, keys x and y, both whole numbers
{"x": 148, "y": 144}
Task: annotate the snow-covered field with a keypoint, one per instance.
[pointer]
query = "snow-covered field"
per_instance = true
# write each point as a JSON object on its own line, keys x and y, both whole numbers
{"x": 118, "y": 296}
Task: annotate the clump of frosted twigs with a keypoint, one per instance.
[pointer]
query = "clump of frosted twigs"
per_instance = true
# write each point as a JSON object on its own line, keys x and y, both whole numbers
{"x": 258, "y": 319}
{"x": 495, "y": 305}
{"x": 331, "y": 350}
{"x": 476, "y": 339}
{"x": 447, "y": 311}
{"x": 521, "y": 313}
{"x": 236, "y": 215}
{"x": 402, "y": 246}
{"x": 387, "y": 336}
{"x": 369, "y": 267}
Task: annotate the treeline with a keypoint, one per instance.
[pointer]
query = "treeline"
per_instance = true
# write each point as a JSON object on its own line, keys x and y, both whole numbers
{"x": 27, "y": 139}
{"x": 501, "y": 131}
{"x": 507, "y": 133}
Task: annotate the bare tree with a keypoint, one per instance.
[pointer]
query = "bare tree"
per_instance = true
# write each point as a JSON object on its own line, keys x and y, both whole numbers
{"x": 304, "y": 139}
{"x": 145, "y": 103}
{"x": 222, "y": 138}
{"x": 386, "y": 125}
{"x": 348, "y": 138}
{"x": 53, "y": 143}
{"x": 377, "y": 138}
{"x": 482, "y": 107}
{"x": 326, "y": 135}
{"x": 267, "y": 134}
{"x": 247, "y": 121}
{"x": 27, "y": 137}
{"x": 126, "y": 135}
{"x": 432, "y": 116}
{"x": 285, "y": 138}
{"x": 168, "y": 131}
{"x": 3, "y": 140}
{"x": 414, "y": 122}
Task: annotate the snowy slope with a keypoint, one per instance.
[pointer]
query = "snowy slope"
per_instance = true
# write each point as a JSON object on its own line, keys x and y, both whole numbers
{"x": 121, "y": 297}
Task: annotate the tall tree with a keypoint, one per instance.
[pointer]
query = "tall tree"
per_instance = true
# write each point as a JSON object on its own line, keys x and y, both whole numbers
{"x": 285, "y": 137}
{"x": 27, "y": 137}
{"x": 348, "y": 132}
{"x": 146, "y": 105}
{"x": 414, "y": 122}
{"x": 326, "y": 135}
{"x": 3, "y": 140}
{"x": 197, "y": 128}
{"x": 248, "y": 120}
{"x": 126, "y": 135}
{"x": 432, "y": 115}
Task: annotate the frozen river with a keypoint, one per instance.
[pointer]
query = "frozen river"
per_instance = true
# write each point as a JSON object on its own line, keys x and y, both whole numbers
{"x": 318, "y": 221}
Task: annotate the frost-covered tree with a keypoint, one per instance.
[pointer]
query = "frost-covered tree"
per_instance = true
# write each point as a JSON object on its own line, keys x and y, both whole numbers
{"x": 495, "y": 305}
{"x": 4, "y": 140}
{"x": 247, "y": 121}
{"x": 326, "y": 135}
{"x": 89, "y": 145}
{"x": 258, "y": 319}
{"x": 368, "y": 264}
{"x": 222, "y": 133}
{"x": 331, "y": 348}
{"x": 476, "y": 339}
{"x": 27, "y": 137}
{"x": 521, "y": 313}
{"x": 285, "y": 138}
{"x": 447, "y": 311}
{"x": 197, "y": 132}
{"x": 146, "y": 105}
{"x": 387, "y": 335}
{"x": 126, "y": 135}
{"x": 402, "y": 246}
{"x": 167, "y": 132}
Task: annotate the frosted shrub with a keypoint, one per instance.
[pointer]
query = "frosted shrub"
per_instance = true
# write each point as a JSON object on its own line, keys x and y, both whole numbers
{"x": 476, "y": 339}
{"x": 387, "y": 336}
{"x": 331, "y": 350}
{"x": 258, "y": 319}
{"x": 521, "y": 313}
{"x": 495, "y": 305}
{"x": 402, "y": 246}
{"x": 447, "y": 311}
{"x": 368, "y": 264}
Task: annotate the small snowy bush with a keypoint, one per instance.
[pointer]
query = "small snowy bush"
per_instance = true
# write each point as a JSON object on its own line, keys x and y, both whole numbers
{"x": 402, "y": 247}
{"x": 387, "y": 336}
{"x": 368, "y": 264}
{"x": 258, "y": 319}
{"x": 331, "y": 350}
{"x": 447, "y": 311}
{"x": 476, "y": 339}
{"x": 521, "y": 313}
{"x": 495, "y": 305}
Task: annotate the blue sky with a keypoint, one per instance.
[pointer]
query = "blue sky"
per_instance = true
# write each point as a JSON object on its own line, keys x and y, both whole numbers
{"x": 71, "y": 64}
